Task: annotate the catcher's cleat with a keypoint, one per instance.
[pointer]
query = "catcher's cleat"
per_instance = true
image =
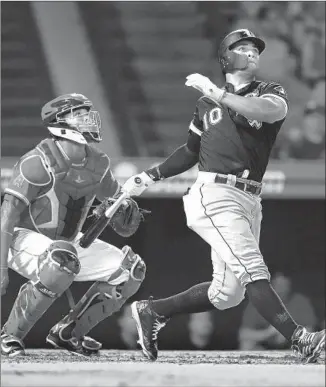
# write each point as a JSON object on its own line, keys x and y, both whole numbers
{"x": 60, "y": 337}
{"x": 308, "y": 345}
{"x": 11, "y": 346}
{"x": 148, "y": 323}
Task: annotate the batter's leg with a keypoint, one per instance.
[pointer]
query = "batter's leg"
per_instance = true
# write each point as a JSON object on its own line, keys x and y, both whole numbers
{"x": 225, "y": 291}
{"x": 308, "y": 345}
{"x": 192, "y": 300}
{"x": 228, "y": 220}
{"x": 152, "y": 315}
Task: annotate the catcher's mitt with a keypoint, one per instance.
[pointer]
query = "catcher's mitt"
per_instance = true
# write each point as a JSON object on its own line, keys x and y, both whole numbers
{"x": 127, "y": 219}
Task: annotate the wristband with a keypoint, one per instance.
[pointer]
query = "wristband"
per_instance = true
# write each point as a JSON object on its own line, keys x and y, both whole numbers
{"x": 219, "y": 99}
{"x": 155, "y": 173}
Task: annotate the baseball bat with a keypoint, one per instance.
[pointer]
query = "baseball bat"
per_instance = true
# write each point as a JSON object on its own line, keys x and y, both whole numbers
{"x": 97, "y": 227}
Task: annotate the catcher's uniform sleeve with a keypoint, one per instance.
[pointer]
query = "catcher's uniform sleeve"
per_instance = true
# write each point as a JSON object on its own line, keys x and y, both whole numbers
{"x": 30, "y": 176}
{"x": 275, "y": 91}
{"x": 109, "y": 186}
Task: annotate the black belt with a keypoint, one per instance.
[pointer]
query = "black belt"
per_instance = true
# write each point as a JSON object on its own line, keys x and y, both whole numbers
{"x": 243, "y": 184}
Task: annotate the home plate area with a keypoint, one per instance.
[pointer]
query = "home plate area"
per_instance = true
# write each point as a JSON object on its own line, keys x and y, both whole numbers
{"x": 173, "y": 368}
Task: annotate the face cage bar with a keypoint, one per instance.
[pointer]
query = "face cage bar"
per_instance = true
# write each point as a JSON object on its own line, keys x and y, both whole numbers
{"x": 91, "y": 128}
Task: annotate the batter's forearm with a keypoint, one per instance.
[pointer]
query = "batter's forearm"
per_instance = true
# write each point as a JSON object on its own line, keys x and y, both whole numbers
{"x": 178, "y": 162}
{"x": 253, "y": 108}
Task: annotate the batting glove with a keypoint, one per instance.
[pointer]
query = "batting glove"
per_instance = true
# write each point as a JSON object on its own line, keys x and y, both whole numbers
{"x": 206, "y": 87}
{"x": 137, "y": 184}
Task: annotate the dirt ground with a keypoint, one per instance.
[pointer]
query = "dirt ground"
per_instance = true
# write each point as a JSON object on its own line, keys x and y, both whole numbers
{"x": 50, "y": 368}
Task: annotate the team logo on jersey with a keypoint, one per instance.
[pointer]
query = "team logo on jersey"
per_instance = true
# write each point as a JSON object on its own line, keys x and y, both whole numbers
{"x": 18, "y": 181}
{"x": 254, "y": 123}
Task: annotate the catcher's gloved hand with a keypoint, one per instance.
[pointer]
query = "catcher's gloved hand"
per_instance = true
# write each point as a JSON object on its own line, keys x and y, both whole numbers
{"x": 137, "y": 184}
{"x": 205, "y": 86}
{"x": 127, "y": 219}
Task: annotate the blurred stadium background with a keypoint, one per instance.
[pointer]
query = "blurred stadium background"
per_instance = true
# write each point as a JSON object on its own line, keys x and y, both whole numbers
{"x": 131, "y": 60}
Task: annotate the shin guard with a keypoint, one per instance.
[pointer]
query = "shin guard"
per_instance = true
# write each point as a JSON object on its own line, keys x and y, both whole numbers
{"x": 58, "y": 267}
{"x": 105, "y": 298}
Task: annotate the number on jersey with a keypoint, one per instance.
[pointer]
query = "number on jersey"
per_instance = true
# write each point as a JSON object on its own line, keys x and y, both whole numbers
{"x": 212, "y": 117}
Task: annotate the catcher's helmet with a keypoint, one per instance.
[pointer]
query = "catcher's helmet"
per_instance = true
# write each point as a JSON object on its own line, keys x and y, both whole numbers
{"x": 230, "y": 60}
{"x": 53, "y": 116}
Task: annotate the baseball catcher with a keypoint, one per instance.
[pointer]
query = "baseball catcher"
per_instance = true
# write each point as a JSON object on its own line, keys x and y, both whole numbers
{"x": 44, "y": 208}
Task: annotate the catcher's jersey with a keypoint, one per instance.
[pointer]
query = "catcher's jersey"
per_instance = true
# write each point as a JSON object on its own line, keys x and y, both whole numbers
{"x": 231, "y": 143}
{"x": 58, "y": 193}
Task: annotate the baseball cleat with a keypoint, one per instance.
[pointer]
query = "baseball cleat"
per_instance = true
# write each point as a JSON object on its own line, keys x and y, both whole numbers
{"x": 11, "y": 346}
{"x": 148, "y": 323}
{"x": 60, "y": 339}
{"x": 308, "y": 345}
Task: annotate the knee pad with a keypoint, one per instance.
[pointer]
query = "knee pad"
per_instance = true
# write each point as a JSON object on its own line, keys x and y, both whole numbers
{"x": 58, "y": 268}
{"x": 224, "y": 298}
{"x": 132, "y": 264}
{"x": 117, "y": 290}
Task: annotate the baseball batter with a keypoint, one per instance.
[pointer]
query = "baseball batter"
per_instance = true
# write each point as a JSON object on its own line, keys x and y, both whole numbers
{"x": 230, "y": 137}
{"x": 44, "y": 208}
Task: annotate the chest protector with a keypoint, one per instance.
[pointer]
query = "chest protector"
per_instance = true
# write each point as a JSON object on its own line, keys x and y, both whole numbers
{"x": 61, "y": 208}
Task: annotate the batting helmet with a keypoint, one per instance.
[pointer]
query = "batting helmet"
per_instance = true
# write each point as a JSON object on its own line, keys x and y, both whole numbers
{"x": 53, "y": 116}
{"x": 230, "y": 60}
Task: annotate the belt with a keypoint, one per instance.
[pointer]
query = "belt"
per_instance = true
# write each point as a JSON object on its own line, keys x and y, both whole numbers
{"x": 245, "y": 185}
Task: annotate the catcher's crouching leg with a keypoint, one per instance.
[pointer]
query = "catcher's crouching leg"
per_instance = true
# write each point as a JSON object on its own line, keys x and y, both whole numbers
{"x": 58, "y": 266}
{"x": 101, "y": 300}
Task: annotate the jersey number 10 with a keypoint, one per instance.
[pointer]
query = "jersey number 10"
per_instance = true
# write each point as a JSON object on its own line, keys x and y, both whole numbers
{"x": 212, "y": 117}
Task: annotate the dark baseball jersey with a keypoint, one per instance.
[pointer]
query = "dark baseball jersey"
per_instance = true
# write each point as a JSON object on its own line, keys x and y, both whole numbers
{"x": 231, "y": 143}
{"x": 58, "y": 194}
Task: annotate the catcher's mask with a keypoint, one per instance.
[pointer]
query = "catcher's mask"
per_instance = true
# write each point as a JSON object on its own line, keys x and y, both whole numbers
{"x": 230, "y": 60}
{"x": 83, "y": 128}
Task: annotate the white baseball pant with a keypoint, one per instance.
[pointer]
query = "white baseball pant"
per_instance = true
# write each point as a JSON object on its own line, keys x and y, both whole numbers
{"x": 98, "y": 262}
{"x": 229, "y": 220}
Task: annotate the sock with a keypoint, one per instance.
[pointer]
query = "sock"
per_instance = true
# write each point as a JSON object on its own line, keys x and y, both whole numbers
{"x": 271, "y": 307}
{"x": 193, "y": 300}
